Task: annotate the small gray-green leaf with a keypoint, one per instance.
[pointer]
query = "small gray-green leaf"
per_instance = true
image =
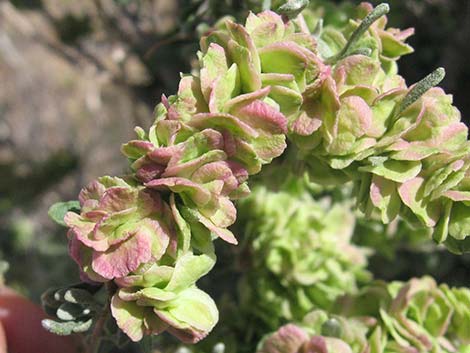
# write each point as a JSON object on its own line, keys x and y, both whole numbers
{"x": 69, "y": 311}
{"x": 373, "y": 16}
{"x": 420, "y": 88}
{"x": 66, "y": 328}
{"x": 78, "y": 296}
{"x": 58, "y": 210}
{"x": 58, "y": 328}
{"x": 292, "y": 8}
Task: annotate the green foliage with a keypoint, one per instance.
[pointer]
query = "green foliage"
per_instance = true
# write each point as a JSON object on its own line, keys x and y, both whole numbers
{"x": 414, "y": 316}
{"x": 421, "y": 87}
{"x": 58, "y": 210}
{"x": 329, "y": 86}
{"x": 292, "y": 8}
{"x": 74, "y": 307}
{"x": 363, "y": 27}
{"x": 301, "y": 255}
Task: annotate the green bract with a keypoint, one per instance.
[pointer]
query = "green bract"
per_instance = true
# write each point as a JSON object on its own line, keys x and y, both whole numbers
{"x": 119, "y": 228}
{"x": 130, "y": 235}
{"x": 158, "y": 298}
{"x": 301, "y": 254}
{"x": 74, "y": 308}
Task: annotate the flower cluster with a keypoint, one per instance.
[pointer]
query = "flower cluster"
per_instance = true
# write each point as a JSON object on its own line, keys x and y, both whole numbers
{"x": 336, "y": 94}
{"x": 321, "y": 333}
{"x": 301, "y": 255}
{"x": 405, "y": 148}
{"x": 129, "y": 234}
{"x": 416, "y": 316}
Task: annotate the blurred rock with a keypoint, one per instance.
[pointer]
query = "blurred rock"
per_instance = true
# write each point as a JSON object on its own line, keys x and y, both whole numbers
{"x": 50, "y": 104}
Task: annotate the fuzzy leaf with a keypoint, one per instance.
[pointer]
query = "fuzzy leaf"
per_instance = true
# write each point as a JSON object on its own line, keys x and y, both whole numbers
{"x": 78, "y": 296}
{"x": 66, "y": 328}
{"x": 69, "y": 312}
{"x": 58, "y": 210}
{"x": 292, "y": 8}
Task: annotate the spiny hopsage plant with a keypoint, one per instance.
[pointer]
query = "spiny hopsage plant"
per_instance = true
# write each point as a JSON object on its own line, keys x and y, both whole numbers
{"x": 404, "y": 148}
{"x": 298, "y": 252}
{"x": 336, "y": 95}
{"x": 353, "y": 118}
{"x": 301, "y": 255}
{"x": 295, "y": 255}
{"x": 411, "y": 317}
{"x": 399, "y": 317}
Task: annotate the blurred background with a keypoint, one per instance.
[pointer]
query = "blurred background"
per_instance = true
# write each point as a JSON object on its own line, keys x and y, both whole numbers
{"x": 77, "y": 76}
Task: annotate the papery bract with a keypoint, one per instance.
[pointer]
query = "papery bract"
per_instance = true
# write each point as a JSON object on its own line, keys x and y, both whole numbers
{"x": 119, "y": 228}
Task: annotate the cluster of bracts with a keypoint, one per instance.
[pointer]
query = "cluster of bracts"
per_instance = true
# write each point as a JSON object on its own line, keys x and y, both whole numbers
{"x": 335, "y": 94}
{"x": 412, "y": 317}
